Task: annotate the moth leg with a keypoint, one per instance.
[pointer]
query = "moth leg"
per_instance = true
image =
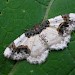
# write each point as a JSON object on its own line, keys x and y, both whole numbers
{"x": 39, "y": 59}
{"x": 62, "y": 44}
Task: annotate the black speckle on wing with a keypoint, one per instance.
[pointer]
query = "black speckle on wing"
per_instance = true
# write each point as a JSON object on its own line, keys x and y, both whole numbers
{"x": 23, "y": 48}
{"x": 20, "y": 52}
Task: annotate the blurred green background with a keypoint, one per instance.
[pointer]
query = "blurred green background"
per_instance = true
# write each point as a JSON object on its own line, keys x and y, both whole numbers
{"x": 18, "y": 15}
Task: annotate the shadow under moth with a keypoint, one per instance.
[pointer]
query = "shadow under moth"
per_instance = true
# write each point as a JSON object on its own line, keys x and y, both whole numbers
{"x": 34, "y": 45}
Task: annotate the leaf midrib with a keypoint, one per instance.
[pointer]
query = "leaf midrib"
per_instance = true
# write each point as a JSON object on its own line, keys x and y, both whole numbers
{"x": 48, "y": 9}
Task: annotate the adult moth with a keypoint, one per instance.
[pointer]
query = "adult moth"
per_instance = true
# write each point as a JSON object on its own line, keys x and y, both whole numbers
{"x": 34, "y": 45}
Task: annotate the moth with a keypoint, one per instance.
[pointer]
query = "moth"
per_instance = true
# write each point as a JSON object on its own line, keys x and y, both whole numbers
{"x": 35, "y": 44}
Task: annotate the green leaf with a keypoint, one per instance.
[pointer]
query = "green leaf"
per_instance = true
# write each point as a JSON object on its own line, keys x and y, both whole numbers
{"x": 18, "y": 15}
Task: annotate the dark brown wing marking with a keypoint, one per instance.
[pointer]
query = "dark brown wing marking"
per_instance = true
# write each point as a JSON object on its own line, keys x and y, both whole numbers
{"x": 24, "y": 48}
{"x": 62, "y": 27}
{"x": 12, "y": 45}
{"x": 37, "y": 29}
{"x": 19, "y": 48}
{"x": 65, "y": 17}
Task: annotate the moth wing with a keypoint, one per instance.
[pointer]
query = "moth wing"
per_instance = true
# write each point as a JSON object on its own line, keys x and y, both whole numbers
{"x": 12, "y": 52}
{"x": 56, "y": 21}
{"x": 33, "y": 43}
{"x": 38, "y": 60}
{"x": 53, "y": 40}
{"x": 38, "y": 51}
{"x": 38, "y": 46}
{"x": 62, "y": 44}
{"x": 21, "y": 40}
{"x": 50, "y": 36}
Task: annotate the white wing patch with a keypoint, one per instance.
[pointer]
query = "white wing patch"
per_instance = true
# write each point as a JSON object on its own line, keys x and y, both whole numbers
{"x": 55, "y": 22}
{"x": 72, "y": 16}
{"x": 62, "y": 43}
{"x": 20, "y": 40}
{"x": 34, "y": 46}
{"x": 50, "y": 35}
{"x": 38, "y": 47}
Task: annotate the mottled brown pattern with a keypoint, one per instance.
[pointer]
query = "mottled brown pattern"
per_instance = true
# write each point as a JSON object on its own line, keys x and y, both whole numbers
{"x": 37, "y": 29}
{"x": 17, "y": 49}
{"x": 62, "y": 27}
{"x": 12, "y": 45}
{"x": 65, "y": 17}
{"x": 22, "y": 47}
